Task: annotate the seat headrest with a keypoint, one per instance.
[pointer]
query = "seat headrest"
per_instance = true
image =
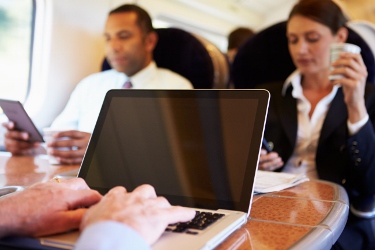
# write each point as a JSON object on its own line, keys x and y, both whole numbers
{"x": 181, "y": 52}
{"x": 263, "y": 58}
{"x": 366, "y": 52}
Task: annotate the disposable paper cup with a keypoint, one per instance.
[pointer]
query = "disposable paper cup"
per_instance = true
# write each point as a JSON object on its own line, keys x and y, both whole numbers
{"x": 48, "y": 136}
{"x": 338, "y": 48}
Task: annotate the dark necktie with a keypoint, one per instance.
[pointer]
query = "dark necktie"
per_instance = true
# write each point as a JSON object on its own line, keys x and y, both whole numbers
{"x": 127, "y": 85}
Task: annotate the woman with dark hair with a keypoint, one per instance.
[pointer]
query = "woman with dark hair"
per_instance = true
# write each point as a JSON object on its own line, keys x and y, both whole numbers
{"x": 324, "y": 128}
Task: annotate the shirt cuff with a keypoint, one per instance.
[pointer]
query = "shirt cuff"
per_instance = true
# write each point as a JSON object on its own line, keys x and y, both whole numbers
{"x": 355, "y": 127}
{"x": 110, "y": 235}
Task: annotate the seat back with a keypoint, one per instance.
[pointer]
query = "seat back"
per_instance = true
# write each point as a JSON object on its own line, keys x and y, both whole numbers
{"x": 190, "y": 56}
{"x": 366, "y": 31}
{"x": 265, "y": 57}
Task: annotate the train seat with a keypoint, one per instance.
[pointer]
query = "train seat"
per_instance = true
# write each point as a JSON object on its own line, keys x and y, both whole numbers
{"x": 366, "y": 30}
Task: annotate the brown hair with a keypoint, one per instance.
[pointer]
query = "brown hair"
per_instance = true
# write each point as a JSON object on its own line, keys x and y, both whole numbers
{"x": 325, "y": 12}
{"x": 143, "y": 18}
{"x": 238, "y": 36}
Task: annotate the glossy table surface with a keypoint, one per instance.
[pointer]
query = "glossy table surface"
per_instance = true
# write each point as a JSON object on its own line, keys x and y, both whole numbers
{"x": 311, "y": 214}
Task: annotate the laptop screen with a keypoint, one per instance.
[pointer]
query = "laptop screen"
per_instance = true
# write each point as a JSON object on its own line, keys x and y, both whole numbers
{"x": 198, "y": 148}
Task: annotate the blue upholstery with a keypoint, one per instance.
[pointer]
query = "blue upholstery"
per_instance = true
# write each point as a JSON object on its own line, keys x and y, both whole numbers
{"x": 265, "y": 58}
{"x": 184, "y": 54}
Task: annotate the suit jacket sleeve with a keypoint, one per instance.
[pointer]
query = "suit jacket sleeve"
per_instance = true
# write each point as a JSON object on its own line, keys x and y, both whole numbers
{"x": 361, "y": 149}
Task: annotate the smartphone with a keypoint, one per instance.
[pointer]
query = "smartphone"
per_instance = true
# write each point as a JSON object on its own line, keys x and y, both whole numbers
{"x": 16, "y": 113}
{"x": 266, "y": 146}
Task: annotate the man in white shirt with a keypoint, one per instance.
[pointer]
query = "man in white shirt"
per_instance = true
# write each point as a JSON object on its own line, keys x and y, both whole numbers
{"x": 129, "y": 43}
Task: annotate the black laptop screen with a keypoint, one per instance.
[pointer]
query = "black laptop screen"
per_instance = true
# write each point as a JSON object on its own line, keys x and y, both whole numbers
{"x": 198, "y": 148}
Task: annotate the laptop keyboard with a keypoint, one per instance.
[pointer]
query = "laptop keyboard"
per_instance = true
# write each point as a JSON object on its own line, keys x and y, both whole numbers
{"x": 200, "y": 222}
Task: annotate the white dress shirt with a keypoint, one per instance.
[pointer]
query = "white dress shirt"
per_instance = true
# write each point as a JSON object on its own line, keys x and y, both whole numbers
{"x": 83, "y": 107}
{"x": 308, "y": 132}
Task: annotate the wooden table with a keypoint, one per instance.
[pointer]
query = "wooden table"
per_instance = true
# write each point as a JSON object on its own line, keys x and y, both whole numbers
{"x": 312, "y": 214}
{"x": 27, "y": 170}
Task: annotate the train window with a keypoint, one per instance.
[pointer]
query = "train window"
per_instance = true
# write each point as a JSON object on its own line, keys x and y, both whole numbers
{"x": 16, "y": 32}
{"x": 218, "y": 40}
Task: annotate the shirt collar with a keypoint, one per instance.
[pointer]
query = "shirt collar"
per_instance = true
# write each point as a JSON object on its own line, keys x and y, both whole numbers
{"x": 294, "y": 80}
{"x": 141, "y": 76}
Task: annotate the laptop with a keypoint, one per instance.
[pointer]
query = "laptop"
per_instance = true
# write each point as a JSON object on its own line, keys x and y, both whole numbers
{"x": 198, "y": 148}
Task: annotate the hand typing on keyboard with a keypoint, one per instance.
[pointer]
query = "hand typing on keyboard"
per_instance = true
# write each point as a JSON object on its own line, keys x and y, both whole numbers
{"x": 141, "y": 210}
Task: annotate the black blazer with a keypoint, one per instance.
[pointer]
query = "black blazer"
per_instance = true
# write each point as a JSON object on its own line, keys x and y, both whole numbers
{"x": 340, "y": 158}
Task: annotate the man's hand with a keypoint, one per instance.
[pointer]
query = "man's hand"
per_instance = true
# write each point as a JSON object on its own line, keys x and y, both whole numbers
{"x": 141, "y": 210}
{"x": 77, "y": 141}
{"x": 46, "y": 208}
{"x": 17, "y": 142}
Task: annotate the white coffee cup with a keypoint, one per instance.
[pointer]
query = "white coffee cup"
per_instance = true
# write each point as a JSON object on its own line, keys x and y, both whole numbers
{"x": 337, "y": 49}
{"x": 48, "y": 134}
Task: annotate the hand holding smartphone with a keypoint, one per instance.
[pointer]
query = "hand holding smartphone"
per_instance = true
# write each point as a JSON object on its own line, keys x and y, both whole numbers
{"x": 17, "y": 114}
